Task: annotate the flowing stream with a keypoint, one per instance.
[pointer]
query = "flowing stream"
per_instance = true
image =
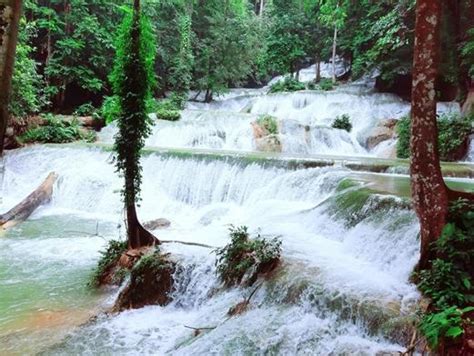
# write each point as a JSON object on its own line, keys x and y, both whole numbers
{"x": 348, "y": 250}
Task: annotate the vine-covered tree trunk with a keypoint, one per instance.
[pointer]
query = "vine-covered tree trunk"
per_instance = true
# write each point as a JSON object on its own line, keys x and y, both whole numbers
{"x": 429, "y": 192}
{"x": 9, "y": 18}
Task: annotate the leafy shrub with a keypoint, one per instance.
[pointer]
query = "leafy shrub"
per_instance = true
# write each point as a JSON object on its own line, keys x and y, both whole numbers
{"x": 453, "y": 131}
{"x": 342, "y": 122}
{"x": 110, "y": 109}
{"x": 166, "y": 110}
{"x": 57, "y": 130}
{"x": 86, "y": 109}
{"x": 447, "y": 323}
{"x": 287, "y": 85}
{"x": 108, "y": 259}
{"x": 246, "y": 256}
{"x": 449, "y": 281}
{"x": 269, "y": 123}
{"x": 326, "y": 84}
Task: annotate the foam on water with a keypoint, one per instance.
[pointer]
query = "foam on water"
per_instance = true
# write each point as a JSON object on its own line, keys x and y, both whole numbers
{"x": 337, "y": 269}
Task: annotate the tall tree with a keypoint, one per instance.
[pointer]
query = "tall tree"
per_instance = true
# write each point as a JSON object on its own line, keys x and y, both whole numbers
{"x": 132, "y": 80}
{"x": 430, "y": 194}
{"x": 10, "y": 11}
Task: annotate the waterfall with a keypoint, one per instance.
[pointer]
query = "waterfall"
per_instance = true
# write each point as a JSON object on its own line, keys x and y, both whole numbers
{"x": 304, "y": 120}
{"x": 340, "y": 287}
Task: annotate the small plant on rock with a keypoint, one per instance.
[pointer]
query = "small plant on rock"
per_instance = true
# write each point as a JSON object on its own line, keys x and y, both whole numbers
{"x": 269, "y": 123}
{"x": 245, "y": 258}
{"x": 57, "y": 130}
{"x": 167, "y": 110}
{"x": 343, "y": 122}
{"x": 108, "y": 261}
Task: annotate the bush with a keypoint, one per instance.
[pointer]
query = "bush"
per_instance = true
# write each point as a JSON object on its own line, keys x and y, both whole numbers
{"x": 86, "y": 109}
{"x": 449, "y": 281}
{"x": 342, "y": 122}
{"x": 108, "y": 260}
{"x": 246, "y": 256}
{"x": 269, "y": 123}
{"x": 447, "y": 323}
{"x": 453, "y": 132}
{"x": 287, "y": 85}
{"x": 57, "y": 130}
{"x": 326, "y": 84}
{"x": 166, "y": 110}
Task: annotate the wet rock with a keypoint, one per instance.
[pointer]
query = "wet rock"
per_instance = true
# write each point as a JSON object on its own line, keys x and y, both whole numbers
{"x": 151, "y": 282}
{"x": 270, "y": 143}
{"x": 259, "y": 131}
{"x": 382, "y": 132}
{"x": 156, "y": 224}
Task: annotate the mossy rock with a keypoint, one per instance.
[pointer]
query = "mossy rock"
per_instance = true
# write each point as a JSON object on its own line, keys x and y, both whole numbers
{"x": 151, "y": 282}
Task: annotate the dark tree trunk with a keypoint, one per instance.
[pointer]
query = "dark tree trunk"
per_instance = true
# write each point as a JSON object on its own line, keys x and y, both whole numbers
{"x": 430, "y": 196}
{"x": 318, "y": 69}
{"x": 8, "y": 41}
{"x": 208, "y": 96}
{"x": 138, "y": 236}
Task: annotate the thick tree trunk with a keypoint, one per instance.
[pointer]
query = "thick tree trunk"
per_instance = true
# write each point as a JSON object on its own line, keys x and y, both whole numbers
{"x": 334, "y": 47}
{"x": 429, "y": 192}
{"x": 20, "y": 212}
{"x": 138, "y": 236}
{"x": 10, "y": 11}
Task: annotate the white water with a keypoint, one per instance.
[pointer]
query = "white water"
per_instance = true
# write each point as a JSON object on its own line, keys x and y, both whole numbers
{"x": 334, "y": 274}
{"x": 304, "y": 120}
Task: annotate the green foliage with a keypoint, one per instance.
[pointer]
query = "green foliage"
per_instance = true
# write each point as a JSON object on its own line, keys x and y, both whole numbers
{"x": 403, "y": 143}
{"x": 27, "y": 84}
{"x": 453, "y": 131}
{"x": 447, "y": 323}
{"x": 326, "y": 84}
{"x": 57, "y": 130}
{"x": 467, "y": 52}
{"x": 108, "y": 259}
{"x": 110, "y": 109}
{"x": 449, "y": 281}
{"x": 86, "y": 109}
{"x": 245, "y": 255}
{"x": 342, "y": 122}
{"x": 132, "y": 80}
{"x": 152, "y": 262}
{"x": 167, "y": 110}
{"x": 269, "y": 123}
{"x": 181, "y": 71}
{"x": 287, "y": 85}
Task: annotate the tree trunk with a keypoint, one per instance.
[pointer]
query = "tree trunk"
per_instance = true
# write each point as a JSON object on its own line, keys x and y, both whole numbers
{"x": 261, "y": 7}
{"x": 20, "y": 212}
{"x": 10, "y": 11}
{"x": 429, "y": 192}
{"x": 138, "y": 236}
{"x": 318, "y": 69}
{"x": 208, "y": 96}
{"x": 468, "y": 106}
{"x": 334, "y": 47}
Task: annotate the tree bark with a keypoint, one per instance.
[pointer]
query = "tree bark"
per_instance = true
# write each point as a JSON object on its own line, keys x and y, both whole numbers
{"x": 22, "y": 211}
{"x": 318, "y": 69}
{"x": 429, "y": 192}
{"x": 261, "y": 7}
{"x": 334, "y": 47}
{"x": 10, "y": 11}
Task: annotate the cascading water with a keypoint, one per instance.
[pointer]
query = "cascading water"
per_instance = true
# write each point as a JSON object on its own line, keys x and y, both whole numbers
{"x": 343, "y": 279}
{"x": 304, "y": 120}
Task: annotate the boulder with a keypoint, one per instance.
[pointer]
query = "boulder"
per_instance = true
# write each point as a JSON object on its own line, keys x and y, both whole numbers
{"x": 156, "y": 224}
{"x": 151, "y": 282}
{"x": 270, "y": 143}
{"x": 385, "y": 130}
{"x": 259, "y": 131}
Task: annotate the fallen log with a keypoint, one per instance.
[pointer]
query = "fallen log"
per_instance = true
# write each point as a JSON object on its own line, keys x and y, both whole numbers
{"x": 22, "y": 211}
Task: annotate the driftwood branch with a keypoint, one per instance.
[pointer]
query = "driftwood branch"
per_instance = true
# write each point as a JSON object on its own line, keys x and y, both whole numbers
{"x": 23, "y": 210}
{"x": 186, "y": 243}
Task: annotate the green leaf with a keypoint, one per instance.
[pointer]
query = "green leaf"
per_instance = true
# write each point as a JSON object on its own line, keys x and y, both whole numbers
{"x": 454, "y": 332}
